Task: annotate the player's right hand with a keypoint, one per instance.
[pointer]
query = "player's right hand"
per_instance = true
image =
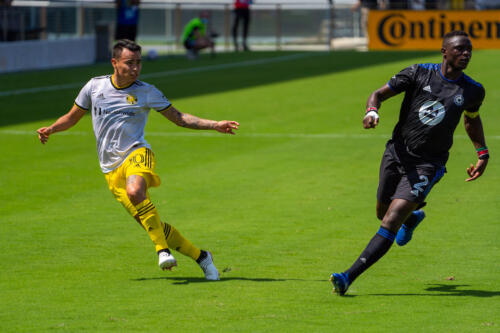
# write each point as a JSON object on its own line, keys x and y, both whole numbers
{"x": 370, "y": 120}
{"x": 43, "y": 134}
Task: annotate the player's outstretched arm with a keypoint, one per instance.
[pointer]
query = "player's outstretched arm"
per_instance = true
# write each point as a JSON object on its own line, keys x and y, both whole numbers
{"x": 373, "y": 103}
{"x": 474, "y": 128}
{"x": 61, "y": 124}
{"x": 190, "y": 121}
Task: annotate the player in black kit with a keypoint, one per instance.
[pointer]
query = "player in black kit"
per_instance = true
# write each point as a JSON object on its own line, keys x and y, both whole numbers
{"x": 415, "y": 157}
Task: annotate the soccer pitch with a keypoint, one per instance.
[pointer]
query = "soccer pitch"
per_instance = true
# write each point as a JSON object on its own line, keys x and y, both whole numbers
{"x": 283, "y": 204}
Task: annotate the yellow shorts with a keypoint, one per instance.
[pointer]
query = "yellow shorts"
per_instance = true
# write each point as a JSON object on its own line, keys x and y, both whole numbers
{"x": 140, "y": 162}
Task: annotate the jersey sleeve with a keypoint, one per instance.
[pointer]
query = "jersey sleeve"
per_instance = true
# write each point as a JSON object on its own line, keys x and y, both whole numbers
{"x": 158, "y": 101}
{"x": 473, "y": 110}
{"x": 84, "y": 100}
{"x": 403, "y": 80}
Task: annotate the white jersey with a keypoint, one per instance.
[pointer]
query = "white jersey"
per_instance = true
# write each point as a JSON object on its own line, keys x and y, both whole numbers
{"x": 119, "y": 116}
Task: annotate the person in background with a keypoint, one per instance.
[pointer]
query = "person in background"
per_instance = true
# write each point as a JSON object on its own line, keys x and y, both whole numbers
{"x": 6, "y": 20}
{"x": 241, "y": 13}
{"x": 365, "y": 6}
{"x": 127, "y": 19}
{"x": 195, "y": 36}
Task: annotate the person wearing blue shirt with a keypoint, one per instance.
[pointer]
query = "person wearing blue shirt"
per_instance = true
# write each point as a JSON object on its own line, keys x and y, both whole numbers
{"x": 127, "y": 19}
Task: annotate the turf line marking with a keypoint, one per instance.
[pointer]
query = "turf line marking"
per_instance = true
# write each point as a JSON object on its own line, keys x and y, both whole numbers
{"x": 168, "y": 73}
{"x": 243, "y": 135}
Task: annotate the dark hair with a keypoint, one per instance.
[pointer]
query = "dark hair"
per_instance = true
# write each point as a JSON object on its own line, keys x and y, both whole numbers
{"x": 124, "y": 44}
{"x": 452, "y": 34}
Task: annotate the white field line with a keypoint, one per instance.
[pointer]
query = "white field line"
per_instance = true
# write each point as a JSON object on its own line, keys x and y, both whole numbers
{"x": 244, "y": 135}
{"x": 166, "y": 73}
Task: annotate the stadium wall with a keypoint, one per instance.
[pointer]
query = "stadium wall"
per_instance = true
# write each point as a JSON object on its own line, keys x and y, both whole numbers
{"x": 45, "y": 54}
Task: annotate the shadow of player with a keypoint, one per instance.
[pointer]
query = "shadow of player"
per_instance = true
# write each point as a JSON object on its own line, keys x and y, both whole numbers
{"x": 439, "y": 289}
{"x": 188, "y": 280}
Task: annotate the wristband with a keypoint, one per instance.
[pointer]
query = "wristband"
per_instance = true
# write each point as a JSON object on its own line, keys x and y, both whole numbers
{"x": 373, "y": 114}
{"x": 482, "y": 153}
{"x": 371, "y": 108}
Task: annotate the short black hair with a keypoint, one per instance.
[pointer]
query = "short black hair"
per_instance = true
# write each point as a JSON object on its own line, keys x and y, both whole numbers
{"x": 124, "y": 44}
{"x": 452, "y": 34}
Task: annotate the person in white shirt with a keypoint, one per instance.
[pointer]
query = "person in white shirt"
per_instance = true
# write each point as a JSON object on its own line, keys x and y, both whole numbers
{"x": 119, "y": 105}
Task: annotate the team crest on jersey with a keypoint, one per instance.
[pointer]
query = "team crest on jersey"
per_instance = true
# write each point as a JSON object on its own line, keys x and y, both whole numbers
{"x": 131, "y": 99}
{"x": 459, "y": 100}
{"x": 431, "y": 113}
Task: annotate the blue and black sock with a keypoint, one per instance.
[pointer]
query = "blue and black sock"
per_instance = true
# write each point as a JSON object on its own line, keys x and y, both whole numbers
{"x": 376, "y": 249}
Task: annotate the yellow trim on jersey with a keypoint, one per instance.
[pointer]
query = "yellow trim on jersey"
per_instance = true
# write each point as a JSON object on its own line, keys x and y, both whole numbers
{"x": 116, "y": 86}
{"x": 471, "y": 115}
{"x": 80, "y": 107}
{"x": 164, "y": 109}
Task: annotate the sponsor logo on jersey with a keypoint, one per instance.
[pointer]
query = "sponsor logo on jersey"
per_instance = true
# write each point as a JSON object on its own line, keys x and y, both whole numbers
{"x": 431, "y": 113}
{"x": 131, "y": 99}
{"x": 427, "y": 88}
{"x": 459, "y": 100}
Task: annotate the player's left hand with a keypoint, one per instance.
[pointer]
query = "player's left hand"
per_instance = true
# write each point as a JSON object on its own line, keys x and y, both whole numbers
{"x": 226, "y": 126}
{"x": 476, "y": 171}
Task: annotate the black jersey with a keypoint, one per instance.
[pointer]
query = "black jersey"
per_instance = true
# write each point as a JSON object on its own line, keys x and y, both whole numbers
{"x": 431, "y": 109}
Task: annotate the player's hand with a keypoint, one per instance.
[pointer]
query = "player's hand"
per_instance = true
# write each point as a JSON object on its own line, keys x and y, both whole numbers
{"x": 370, "y": 120}
{"x": 476, "y": 171}
{"x": 43, "y": 134}
{"x": 226, "y": 126}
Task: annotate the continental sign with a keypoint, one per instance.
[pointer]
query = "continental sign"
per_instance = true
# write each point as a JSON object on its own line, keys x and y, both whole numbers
{"x": 424, "y": 30}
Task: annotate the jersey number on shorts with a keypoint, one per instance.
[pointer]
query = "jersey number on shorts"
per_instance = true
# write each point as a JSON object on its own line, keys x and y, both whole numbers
{"x": 419, "y": 187}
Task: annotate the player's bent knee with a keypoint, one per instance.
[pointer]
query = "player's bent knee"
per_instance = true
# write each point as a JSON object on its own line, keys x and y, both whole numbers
{"x": 136, "y": 194}
{"x": 392, "y": 221}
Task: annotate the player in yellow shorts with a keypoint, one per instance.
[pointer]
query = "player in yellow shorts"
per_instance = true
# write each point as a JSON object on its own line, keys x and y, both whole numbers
{"x": 140, "y": 162}
{"x": 119, "y": 105}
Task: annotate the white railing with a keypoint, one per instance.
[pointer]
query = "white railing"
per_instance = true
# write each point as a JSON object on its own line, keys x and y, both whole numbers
{"x": 274, "y": 23}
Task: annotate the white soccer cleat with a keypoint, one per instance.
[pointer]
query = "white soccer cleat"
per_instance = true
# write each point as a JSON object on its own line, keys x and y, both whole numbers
{"x": 208, "y": 267}
{"x": 166, "y": 260}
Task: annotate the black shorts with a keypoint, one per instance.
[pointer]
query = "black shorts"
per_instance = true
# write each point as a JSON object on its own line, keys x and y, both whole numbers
{"x": 124, "y": 31}
{"x": 405, "y": 177}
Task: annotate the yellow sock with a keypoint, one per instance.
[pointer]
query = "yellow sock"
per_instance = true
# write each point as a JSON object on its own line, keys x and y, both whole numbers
{"x": 150, "y": 219}
{"x": 179, "y": 243}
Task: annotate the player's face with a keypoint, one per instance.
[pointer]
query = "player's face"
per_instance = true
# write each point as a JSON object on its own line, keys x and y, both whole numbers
{"x": 128, "y": 66}
{"x": 458, "y": 52}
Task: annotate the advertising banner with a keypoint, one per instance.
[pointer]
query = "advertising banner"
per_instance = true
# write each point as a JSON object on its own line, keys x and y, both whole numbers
{"x": 424, "y": 30}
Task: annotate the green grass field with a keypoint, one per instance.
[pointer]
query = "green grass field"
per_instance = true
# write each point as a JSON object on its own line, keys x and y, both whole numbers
{"x": 283, "y": 204}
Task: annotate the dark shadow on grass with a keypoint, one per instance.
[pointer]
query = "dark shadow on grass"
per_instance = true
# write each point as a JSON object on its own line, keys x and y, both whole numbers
{"x": 449, "y": 290}
{"x": 452, "y": 290}
{"x": 188, "y": 280}
{"x": 224, "y": 73}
